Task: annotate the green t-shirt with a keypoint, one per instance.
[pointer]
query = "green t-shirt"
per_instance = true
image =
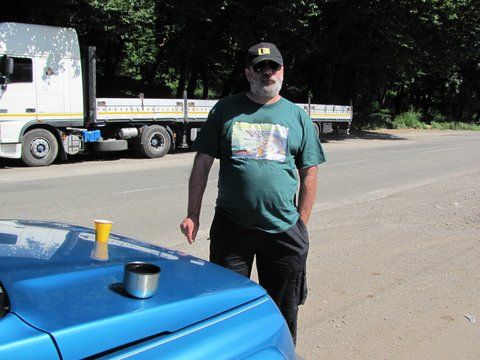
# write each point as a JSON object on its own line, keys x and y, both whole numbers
{"x": 260, "y": 148}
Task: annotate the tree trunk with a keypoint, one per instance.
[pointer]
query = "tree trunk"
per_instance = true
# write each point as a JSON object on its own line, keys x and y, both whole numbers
{"x": 182, "y": 80}
{"x": 110, "y": 81}
{"x": 383, "y": 97}
{"x": 192, "y": 84}
{"x": 205, "y": 83}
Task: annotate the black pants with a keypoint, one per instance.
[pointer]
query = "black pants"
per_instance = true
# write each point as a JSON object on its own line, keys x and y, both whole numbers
{"x": 280, "y": 259}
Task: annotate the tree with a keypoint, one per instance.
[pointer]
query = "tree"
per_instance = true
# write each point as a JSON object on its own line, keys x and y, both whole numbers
{"x": 381, "y": 55}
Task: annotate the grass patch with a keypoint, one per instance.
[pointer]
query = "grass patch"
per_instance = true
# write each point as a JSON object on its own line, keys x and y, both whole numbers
{"x": 453, "y": 125}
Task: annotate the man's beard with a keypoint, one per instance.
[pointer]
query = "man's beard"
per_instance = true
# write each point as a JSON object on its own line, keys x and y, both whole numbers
{"x": 259, "y": 88}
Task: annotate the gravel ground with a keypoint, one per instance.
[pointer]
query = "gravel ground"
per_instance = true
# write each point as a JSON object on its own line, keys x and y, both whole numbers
{"x": 399, "y": 279}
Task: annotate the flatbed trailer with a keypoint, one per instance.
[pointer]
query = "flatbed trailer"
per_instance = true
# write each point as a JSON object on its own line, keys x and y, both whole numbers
{"x": 49, "y": 108}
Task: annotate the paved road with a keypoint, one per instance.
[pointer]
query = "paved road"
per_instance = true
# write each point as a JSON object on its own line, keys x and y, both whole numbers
{"x": 393, "y": 264}
{"x": 147, "y": 198}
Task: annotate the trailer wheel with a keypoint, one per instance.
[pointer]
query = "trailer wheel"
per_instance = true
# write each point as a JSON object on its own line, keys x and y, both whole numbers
{"x": 343, "y": 129}
{"x": 39, "y": 148}
{"x": 155, "y": 141}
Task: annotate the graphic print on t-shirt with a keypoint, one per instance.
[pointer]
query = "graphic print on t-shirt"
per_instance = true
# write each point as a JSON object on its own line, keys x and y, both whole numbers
{"x": 259, "y": 141}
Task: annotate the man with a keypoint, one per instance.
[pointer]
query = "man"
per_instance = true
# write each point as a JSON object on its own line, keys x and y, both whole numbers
{"x": 261, "y": 139}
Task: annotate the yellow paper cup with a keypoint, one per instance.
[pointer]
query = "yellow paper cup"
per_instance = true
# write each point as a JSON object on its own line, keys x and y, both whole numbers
{"x": 102, "y": 230}
{"x": 100, "y": 251}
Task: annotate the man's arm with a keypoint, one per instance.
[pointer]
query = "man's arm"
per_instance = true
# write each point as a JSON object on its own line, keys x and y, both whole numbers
{"x": 196, "y": 188}
{"x": 308, "y": 190}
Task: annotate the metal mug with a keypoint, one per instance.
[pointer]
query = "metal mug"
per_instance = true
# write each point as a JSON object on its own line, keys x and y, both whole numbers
{"x": 140, "y": 279}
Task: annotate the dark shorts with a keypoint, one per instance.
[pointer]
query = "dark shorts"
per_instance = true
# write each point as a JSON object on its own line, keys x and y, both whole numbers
{"x": 280, "y": 259}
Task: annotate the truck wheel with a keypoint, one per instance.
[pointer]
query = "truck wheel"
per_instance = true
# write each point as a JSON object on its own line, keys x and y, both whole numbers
{"x": 39, "y": 147}
{"x": 155, "y": 141}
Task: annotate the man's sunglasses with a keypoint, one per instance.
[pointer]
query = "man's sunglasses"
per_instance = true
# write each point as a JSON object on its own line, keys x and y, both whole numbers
{"x": 262, "y": 65}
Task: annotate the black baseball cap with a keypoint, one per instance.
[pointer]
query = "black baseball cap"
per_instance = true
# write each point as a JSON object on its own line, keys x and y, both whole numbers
{"x": 261, "y": 52}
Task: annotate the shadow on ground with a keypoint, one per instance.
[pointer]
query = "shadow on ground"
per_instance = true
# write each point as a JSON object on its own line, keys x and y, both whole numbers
{"x": 100, "y": 156}
{"x": 365, "y": 135}
{"x": 130, "y": 154}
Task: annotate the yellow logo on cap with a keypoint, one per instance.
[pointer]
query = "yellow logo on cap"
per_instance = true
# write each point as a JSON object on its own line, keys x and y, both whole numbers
{"x": 264, "y": 51}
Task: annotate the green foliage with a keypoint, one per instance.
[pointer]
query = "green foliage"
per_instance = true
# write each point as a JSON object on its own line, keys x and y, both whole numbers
{"x": 438, "y": 118}
{"x": 452, "y": 125}
{"x": 410, "y": 119}
{"x": 378, "y": 118}
{"x": 382, "y": 56}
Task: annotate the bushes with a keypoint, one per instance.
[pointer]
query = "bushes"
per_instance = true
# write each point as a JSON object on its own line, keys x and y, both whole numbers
{"x": 378, "y": 118}
{"x": 410, "y": 120}
{"x": 374, "y": 118}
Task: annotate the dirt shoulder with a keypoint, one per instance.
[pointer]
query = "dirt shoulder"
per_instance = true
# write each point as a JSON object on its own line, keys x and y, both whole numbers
{"x": 399, "y": 279}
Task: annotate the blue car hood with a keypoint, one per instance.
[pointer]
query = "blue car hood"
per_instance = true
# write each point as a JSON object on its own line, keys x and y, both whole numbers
{"x": 60, "y": 282}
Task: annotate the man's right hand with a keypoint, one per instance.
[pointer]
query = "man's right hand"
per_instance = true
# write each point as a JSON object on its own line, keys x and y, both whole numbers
{"x": 196, "y": 187}
{"x": 189, "y": 227}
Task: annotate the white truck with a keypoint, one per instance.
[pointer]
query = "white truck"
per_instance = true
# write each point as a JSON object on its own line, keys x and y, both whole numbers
{"x": 49, "y": 108}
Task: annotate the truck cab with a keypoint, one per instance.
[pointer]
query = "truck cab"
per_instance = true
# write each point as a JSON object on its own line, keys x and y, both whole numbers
{"x": 41, "y": 89}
